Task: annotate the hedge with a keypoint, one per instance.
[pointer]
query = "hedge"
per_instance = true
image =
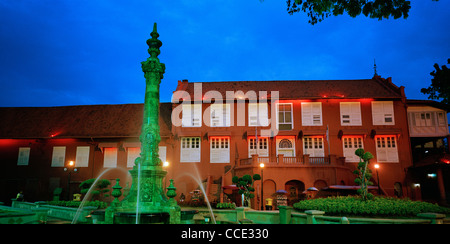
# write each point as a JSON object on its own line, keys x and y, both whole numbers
{"x": 76, "y": 204}
{"x": 378, "y": 207}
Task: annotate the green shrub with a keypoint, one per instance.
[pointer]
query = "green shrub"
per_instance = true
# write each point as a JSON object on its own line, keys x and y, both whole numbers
{"x": 378, "y": 207}
{"x": 76, "y": 204}
{"x": 225, "y": 205}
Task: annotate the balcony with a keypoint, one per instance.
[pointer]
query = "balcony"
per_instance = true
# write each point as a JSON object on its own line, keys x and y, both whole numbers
{"x": 300, "y": 161}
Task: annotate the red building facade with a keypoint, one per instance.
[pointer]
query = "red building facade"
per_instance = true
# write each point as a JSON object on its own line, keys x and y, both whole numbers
{"x": 305, "y": 133}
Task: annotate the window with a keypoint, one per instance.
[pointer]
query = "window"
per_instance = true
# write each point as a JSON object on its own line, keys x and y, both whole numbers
{"x": 110, "y": 157}
{"x": 350, "y": 113}
{"x": 134, "y": 152}
{"x": 261, "y": 147}
{"x": 441, "y": 119}
{"x": 162, "y": 152}
{"x": 82, "y": 157}
{"x": 24, "y": 156}
{"x": 350, "y": 144}
{"x": 312, "y": 113}
{"x": 192, "y": 115}
{"x": 220, "y": 115}
{"x": 190, "y": 149}
{"x": 423, "y": 119}
{"x": 286, "y": 146}
{"x": 258, "y": 114}
{"x": 285, "y": 118}
{"x": 220, "y": 150}
{"x": 313, "y": 145}
{"x": 58, "y": 156}
{"x": 383, "y": 113}
{"x": 386, "y": 149}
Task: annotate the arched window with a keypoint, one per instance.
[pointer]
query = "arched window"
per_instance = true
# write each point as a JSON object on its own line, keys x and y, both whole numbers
{"x": 285, "y": 143}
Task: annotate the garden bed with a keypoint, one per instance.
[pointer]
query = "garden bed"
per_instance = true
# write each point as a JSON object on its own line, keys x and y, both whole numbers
{"x": 378, "y": 207}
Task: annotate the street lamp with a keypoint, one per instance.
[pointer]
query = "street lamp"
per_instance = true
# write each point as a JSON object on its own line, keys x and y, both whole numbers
{"x": 70, "y": 167}
{"x": 378, "y": 178}
{"x": 261, "y": 165}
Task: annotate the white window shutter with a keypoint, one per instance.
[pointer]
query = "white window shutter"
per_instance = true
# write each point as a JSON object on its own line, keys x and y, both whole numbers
{"x": 162, "y": 152}
{"x": 197, "y": 115}
{"x": 377, "y": 113}
{"x": 133, "y": 153}
{"x": 355, "y": 113}
{"x": 253, "y": 114}
{"x": 24, "y": 156}
{"x": 316, "y": 113}
{"x": 263, "y": 114}
{"x": 306, "y": 114}
{"x": 82, "y": 157}
{"x": 220, "y": 150}
{"x": 227, "y": 114}
{"x": 58, "y": 156}
{"x": 186, "y": 120}
{"x": 392, "y": 153}
{"x": 110, "y": 157}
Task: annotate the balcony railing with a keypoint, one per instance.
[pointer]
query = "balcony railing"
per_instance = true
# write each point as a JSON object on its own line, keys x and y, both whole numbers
{"x": 302, "y": 160}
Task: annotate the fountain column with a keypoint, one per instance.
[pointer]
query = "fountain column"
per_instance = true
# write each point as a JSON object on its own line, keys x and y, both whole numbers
{"x": 147, "y": 193}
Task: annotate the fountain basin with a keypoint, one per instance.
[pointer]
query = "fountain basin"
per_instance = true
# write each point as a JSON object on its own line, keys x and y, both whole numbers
{"x": 144, "y": 218}
{"x": 188, "y": 214}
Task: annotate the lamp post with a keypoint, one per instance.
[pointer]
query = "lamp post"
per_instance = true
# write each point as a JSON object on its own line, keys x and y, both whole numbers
{"x": 261, "y": 165}
{"x": 378, "y": 178}
{"x": 70, "y": 167}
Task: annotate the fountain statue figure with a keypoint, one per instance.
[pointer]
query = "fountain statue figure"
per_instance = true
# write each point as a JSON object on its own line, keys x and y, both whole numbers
{"x": 146, "y": 196}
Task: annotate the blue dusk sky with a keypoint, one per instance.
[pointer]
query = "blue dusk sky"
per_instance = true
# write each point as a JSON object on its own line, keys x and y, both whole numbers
{"x": 83, "y": 52}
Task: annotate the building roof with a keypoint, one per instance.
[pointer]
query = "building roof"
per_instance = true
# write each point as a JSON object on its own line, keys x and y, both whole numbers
{"x": 431, "y": 103}
{"x": 375, "y": 88}
{"x": 87, "y": 121}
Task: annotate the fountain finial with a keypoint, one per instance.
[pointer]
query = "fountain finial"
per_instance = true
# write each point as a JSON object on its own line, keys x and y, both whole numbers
{"x": 153, "y": 43}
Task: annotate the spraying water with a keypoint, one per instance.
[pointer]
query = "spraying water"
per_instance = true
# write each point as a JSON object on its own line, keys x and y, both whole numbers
{"x": 89, "y": 192}
{"x": 138, "y": 192}
{"x": 197, "y": 179}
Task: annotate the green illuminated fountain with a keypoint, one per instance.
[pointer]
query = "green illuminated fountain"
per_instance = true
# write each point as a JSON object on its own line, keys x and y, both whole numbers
{"x": 146, "y": 201}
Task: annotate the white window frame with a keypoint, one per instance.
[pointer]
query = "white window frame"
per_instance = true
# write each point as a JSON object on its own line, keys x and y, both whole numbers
{"x": 349, "y": 146}
{"x": 190, "y": 149}
{"x": 383, "y": 113}
{"x": 284, "y": 116}
{"x": 132, "y": 154}
{"x": 314, "y": 146}
{"x": 191, "y": 115}
{"x": 261, "y": 147}
{"x": 387, "y": 148}
{"x": 58, "y": 156}
{"x": 220, "y": 115}
{"x": 110, "y": 157}
{"x": 135, "y": 152}
{"x": 24, "y": 156}
{"x": 285, "y": 151}
{"x": 350, "y": 113}
{"x": 219, "y": 150}
{"x": 441, "y": 119}
{"x": 82, "y": 156}
{"x": 311, "y": 113}
{"x": 258, "y": 114}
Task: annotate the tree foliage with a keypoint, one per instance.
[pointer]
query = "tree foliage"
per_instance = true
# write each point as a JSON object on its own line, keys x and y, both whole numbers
{"x": 363, "y": 174}
{"x": 318, "y": 10}
{"x": 440, "y": 84}
{"x": 99, "y": 189}
{"x": 245, "y": 185}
